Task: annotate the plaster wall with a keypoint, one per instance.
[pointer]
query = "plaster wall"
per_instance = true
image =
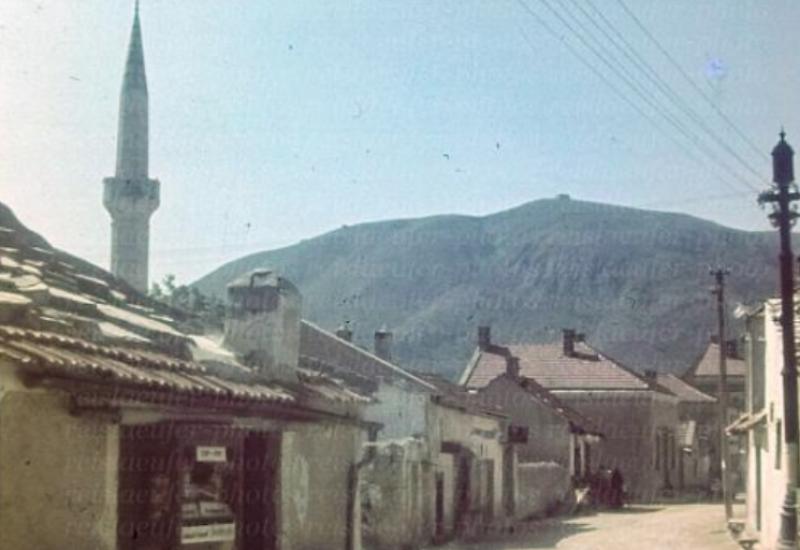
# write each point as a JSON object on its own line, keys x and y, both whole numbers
{"x": 396, "y": 490}
{"x": 315, "y": 464}
{"x": 58, "y": 480}
{"x": 401, "y": 411}
{"x": 767, "y": 439}
{"x": 542, "y": 488}
{"x": 482, "y": 435}
{"x": 549, "y": 436}
{"x": 629, "y": 420}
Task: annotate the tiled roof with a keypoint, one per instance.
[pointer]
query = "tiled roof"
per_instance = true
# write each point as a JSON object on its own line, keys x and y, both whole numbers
{"x": 685, "y": 391}
{"x": 58, "y": 356}
{"x": 453, "y": 395}
{"x": 708, "y": 364}
{"x": 547, "y": 365}
{"x": 64, "y": 318}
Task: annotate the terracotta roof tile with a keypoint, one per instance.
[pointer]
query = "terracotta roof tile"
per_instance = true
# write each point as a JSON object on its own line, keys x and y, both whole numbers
{"x": 547, "y": 364}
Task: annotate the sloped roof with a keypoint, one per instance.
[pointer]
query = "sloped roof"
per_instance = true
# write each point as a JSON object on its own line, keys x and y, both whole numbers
{"x": 683, "y": 390}
{"x": 547, "y": 365}
{"x": 493, "y": 360}
{"x": 326, "y": 350}
{"x": 454, "y": 396}
{"x": 577, "y": 421}
{"x": 63, "y": 318}
{"x": 708, "y": 364}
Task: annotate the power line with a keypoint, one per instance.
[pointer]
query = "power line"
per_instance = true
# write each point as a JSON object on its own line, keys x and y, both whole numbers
{"x": 691, "y": 82}
{"x": 637, "y": 89}
{"x": 603, "y": 78}
{"x": 652, "y": 75}
{"x": 544, "y": 24}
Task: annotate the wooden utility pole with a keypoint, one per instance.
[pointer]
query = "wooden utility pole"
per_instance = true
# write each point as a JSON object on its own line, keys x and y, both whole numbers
{"x": 722, "y": 397}
{"x": 782, "y": 194}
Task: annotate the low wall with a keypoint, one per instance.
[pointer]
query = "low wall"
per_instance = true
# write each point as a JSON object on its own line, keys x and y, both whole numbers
{"x": 542, "y": 488}
{"x": 394, "y": 487}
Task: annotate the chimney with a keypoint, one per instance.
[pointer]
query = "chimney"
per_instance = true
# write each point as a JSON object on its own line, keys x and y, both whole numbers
{"x": 512, "y": 367}
{"x": 383, "y": 344}
{"x": 345, "y": 332}
{"x": 651, "y": 374}
{"x": 484, "y": 337}
{"x": 568, "y": 341}
{"x": 731, "y": 349}
{"x": 262, "y": 326}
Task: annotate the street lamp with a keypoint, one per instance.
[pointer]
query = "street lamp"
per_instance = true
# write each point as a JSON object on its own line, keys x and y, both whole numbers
{"x": 781, "y": 195}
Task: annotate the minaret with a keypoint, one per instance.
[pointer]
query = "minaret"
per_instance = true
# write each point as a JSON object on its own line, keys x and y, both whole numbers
{"x": 131, "y": 196}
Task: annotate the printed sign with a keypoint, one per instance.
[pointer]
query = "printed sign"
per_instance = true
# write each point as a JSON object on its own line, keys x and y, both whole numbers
{"x": 212, "y": 509}
{"x": 211, "y": 454}
{"x": 215, "y": 532}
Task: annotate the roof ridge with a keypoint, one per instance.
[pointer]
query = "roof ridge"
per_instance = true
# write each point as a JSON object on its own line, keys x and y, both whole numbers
{"x": 395, "y": 368}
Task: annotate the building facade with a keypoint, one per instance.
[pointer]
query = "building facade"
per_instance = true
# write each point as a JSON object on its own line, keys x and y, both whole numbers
{"x": 638, "y": 418}
{"x": 760, "y": 427}
{"x": 441, "y": 465}
{"x": 118, "y": 430}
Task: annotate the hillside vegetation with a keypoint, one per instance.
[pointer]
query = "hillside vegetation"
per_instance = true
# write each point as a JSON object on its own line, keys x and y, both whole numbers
{"x": 635, "y": 281}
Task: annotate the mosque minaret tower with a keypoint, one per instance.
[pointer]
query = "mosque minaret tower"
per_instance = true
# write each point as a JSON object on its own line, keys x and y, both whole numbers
{"x": 131, "y": 196}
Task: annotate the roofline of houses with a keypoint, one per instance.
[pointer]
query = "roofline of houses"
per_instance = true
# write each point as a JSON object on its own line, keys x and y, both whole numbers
{"x": 392, "y": 367}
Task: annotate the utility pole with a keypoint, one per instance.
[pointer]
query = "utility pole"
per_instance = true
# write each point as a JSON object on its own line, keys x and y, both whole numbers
{"x": 781, "y": 195}
{"x": 722, "y": 399}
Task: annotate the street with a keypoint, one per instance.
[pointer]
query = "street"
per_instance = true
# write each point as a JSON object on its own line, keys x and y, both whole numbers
{"x": 684, "y": 526}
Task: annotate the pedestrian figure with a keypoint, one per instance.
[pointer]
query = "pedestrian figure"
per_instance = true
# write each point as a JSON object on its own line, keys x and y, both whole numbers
{"x": 617, "y": 485}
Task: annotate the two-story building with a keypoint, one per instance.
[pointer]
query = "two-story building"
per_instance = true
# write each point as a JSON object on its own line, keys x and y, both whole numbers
{"x": 637, "y": 416}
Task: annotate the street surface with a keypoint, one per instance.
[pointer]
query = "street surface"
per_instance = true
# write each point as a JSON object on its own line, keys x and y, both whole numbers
{"x": 683, "y": 526}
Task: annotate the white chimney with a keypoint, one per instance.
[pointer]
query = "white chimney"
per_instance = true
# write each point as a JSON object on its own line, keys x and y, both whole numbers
{"x": 262, "y": 326}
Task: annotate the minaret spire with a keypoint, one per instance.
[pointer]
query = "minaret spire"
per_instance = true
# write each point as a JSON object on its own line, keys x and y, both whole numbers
{"x": 132, "y": 137}
{"x": 131, "y": 196}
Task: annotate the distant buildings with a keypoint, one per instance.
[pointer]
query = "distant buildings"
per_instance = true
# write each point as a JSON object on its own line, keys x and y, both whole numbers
{"x": 704, "y": 373}
{"x": 637, "y": 417}
{"x": 442, "y": 463}
{"x": 697, "y": 435}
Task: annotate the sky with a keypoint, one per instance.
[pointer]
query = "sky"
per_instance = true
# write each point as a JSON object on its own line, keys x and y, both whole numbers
{"x": 275, "y": 121}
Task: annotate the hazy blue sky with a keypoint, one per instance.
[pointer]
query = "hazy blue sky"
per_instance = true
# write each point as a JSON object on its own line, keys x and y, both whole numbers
{"x": 275, "y": 121}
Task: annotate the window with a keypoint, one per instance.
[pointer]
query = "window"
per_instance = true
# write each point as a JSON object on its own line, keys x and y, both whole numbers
{"x": 658, "y": 451}
{"x": 672, "y": 451}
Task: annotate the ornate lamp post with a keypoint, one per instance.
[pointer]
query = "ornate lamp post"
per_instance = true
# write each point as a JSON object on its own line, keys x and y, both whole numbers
{"x": 782, "y": 194}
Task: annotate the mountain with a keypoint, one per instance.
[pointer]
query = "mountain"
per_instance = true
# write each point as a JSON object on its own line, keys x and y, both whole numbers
{"x": 636, "y": 282}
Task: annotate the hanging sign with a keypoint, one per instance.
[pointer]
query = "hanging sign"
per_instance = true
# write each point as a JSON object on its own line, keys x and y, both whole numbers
{"x": 211, "y": 454}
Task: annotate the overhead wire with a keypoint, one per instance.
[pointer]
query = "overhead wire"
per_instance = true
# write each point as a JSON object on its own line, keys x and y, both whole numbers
{"x": 691, "y": 82}
{"x": 608, "y": 59}
{"x": 659, "y": 82}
